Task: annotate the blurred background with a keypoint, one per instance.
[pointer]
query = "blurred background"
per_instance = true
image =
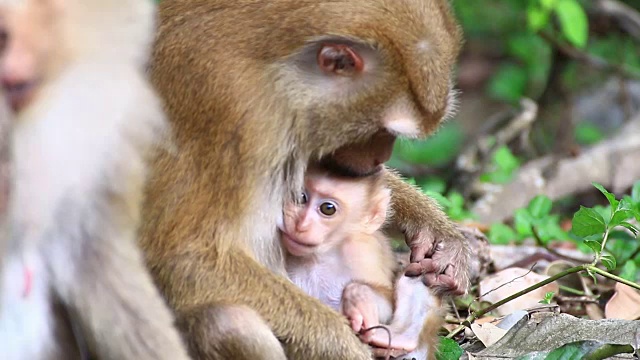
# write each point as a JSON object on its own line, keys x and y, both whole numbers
{"x": 549, "y": 103}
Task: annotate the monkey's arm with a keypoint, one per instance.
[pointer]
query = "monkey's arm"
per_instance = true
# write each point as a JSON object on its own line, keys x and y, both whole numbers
{"x": 297, "y": 320}
{"x": 366, "y": 305}
{"x": 438, "y": 250}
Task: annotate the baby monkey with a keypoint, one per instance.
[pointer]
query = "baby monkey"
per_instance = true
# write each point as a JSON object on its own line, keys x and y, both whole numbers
{"x": 337, "y": 253}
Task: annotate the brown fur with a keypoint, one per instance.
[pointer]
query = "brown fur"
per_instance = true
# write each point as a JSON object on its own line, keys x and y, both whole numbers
{"x": 424, "y": 224}
{"x": 247, "y": 120}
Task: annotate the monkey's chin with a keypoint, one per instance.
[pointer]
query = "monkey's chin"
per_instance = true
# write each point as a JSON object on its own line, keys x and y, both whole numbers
{"x": 297, "y": 248}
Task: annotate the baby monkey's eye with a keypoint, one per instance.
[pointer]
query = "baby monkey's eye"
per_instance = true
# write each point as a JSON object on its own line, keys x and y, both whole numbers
{"x": 328, "y": 208}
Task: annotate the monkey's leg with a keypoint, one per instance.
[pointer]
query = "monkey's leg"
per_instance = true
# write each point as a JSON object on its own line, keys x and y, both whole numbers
{"x": 307, "y": 329}
{"x": 231, "y": 330}
{"x": 120, "y": 310}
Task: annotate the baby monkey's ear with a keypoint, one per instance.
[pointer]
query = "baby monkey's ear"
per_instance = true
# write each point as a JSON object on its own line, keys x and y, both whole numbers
{"x": 378, "y": 208}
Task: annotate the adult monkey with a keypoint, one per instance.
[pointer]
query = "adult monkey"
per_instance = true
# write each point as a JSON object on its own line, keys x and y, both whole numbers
{"x": 256, "y": 89}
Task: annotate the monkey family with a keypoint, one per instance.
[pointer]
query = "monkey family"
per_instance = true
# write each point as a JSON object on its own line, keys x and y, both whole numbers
{"x": 126, "y": 228}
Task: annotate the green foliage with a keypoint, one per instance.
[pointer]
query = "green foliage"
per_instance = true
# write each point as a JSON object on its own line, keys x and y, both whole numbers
{"x": 437, "y": 150}
{"x": 588, "y": 350}
{"x": 573, "y": 22}
{"x": 537, "y": 215}
{"x": 629, "y": 271}
{"x": 501, "y": 234}
{"x": 452, "y": 204}
{"x": 595, "y": 229}
{"x": 547, "y": 298}
{"x": 503, "y": 166}
{"x": 572, "y": 18}
{"x": 587, "y": 134}
{"x": 509, "y": 83}
{"x": 448, "y": 349}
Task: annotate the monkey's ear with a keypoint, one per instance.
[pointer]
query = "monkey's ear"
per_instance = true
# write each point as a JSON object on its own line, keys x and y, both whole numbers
{"x": 379, "y": 205}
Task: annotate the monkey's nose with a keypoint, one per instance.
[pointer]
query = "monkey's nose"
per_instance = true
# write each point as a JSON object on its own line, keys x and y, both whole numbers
{"x": 18, "y": 92}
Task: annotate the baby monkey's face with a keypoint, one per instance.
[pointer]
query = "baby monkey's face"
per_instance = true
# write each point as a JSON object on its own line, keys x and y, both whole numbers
{"x": 324, "y": 214}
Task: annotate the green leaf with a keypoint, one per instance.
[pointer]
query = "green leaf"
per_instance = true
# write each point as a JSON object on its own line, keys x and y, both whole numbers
{"x": 587, "y": 221}
{"x": 448, "y": 349}
{"x": 537, "y": 17}
{"x": 540, "y": 206}
{"x": 501, "y": 234}
{"x": 620, "y": 216}
{"x": 505, "y": 159}
{"x": 630, "y": 227}
{"x": 508, "y": 83}
{"x": 522, "y": 222}
{"x": 594, "y": 245}
{"x": 573, "y": 22}
{"x": 547, "y": 4}
{"x": 549, "y": 228}
{"x": 629, "y": 271}
{"x": 547, "y": 298}
{"x": 612, "y": 198}
{"x": 608, "y": 261}
{"x": 592, "y": 275}
{"x": 587, "y": 350}
{"x": 587, "y": 134}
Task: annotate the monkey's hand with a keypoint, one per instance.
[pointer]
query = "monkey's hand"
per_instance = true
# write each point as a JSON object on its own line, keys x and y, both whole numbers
{"x": 360, "y": 307}
{"x": 439, "y": 251}
{"x": 443, "y": 261}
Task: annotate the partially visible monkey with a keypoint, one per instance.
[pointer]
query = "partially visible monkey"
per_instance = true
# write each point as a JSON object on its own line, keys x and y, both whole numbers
{"x": 337, "y": 253}
{"x": 255, "y": 89}
{"x": 74, "y": 283}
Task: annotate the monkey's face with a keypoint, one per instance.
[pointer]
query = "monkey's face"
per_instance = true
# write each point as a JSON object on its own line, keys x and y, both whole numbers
{"x": 361, "y": 87}
{"x": 324, "y": 216}
{"x": 28, "y": 39}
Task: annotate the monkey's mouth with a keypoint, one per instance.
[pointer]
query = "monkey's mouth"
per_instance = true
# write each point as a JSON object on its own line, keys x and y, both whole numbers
{"x": 361, "y": 159}
{"x": 295, "y": 246}
{"x": 20, "y": 94}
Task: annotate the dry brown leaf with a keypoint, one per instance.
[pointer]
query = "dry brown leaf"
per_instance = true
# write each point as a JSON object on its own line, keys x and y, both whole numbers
{"x": 624, "y": 304}
{"x": 488, "y": 333}
{"x": 514, "y": 280}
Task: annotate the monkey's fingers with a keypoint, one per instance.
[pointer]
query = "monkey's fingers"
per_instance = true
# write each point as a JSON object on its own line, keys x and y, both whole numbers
{"x": 356, "y": 320}
{"x": 443, "y": 283}
{"x": 421, "y": 246}
{"x": 422, "y": 267}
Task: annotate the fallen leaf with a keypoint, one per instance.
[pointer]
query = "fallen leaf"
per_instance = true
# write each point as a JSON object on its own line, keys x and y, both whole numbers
{"x": 624, "y": 304}
{"x": 488, "y": 333}
{"x": 514, "y": 280}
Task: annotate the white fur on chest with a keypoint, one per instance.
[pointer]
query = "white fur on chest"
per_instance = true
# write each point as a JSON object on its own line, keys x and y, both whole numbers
{"x": 322, "y": 280}
{"x": 29, "y": 335}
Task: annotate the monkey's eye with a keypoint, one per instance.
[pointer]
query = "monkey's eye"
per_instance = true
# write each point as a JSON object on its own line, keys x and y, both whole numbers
{"x": 340, "y": 60}
{"x": 303, "y": 199}
{"x": 328, "y": 208}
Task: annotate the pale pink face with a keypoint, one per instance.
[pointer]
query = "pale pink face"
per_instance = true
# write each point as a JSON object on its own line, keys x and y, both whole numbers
{"x": 31, "y": 43}
{"x": 322, "y": 217}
